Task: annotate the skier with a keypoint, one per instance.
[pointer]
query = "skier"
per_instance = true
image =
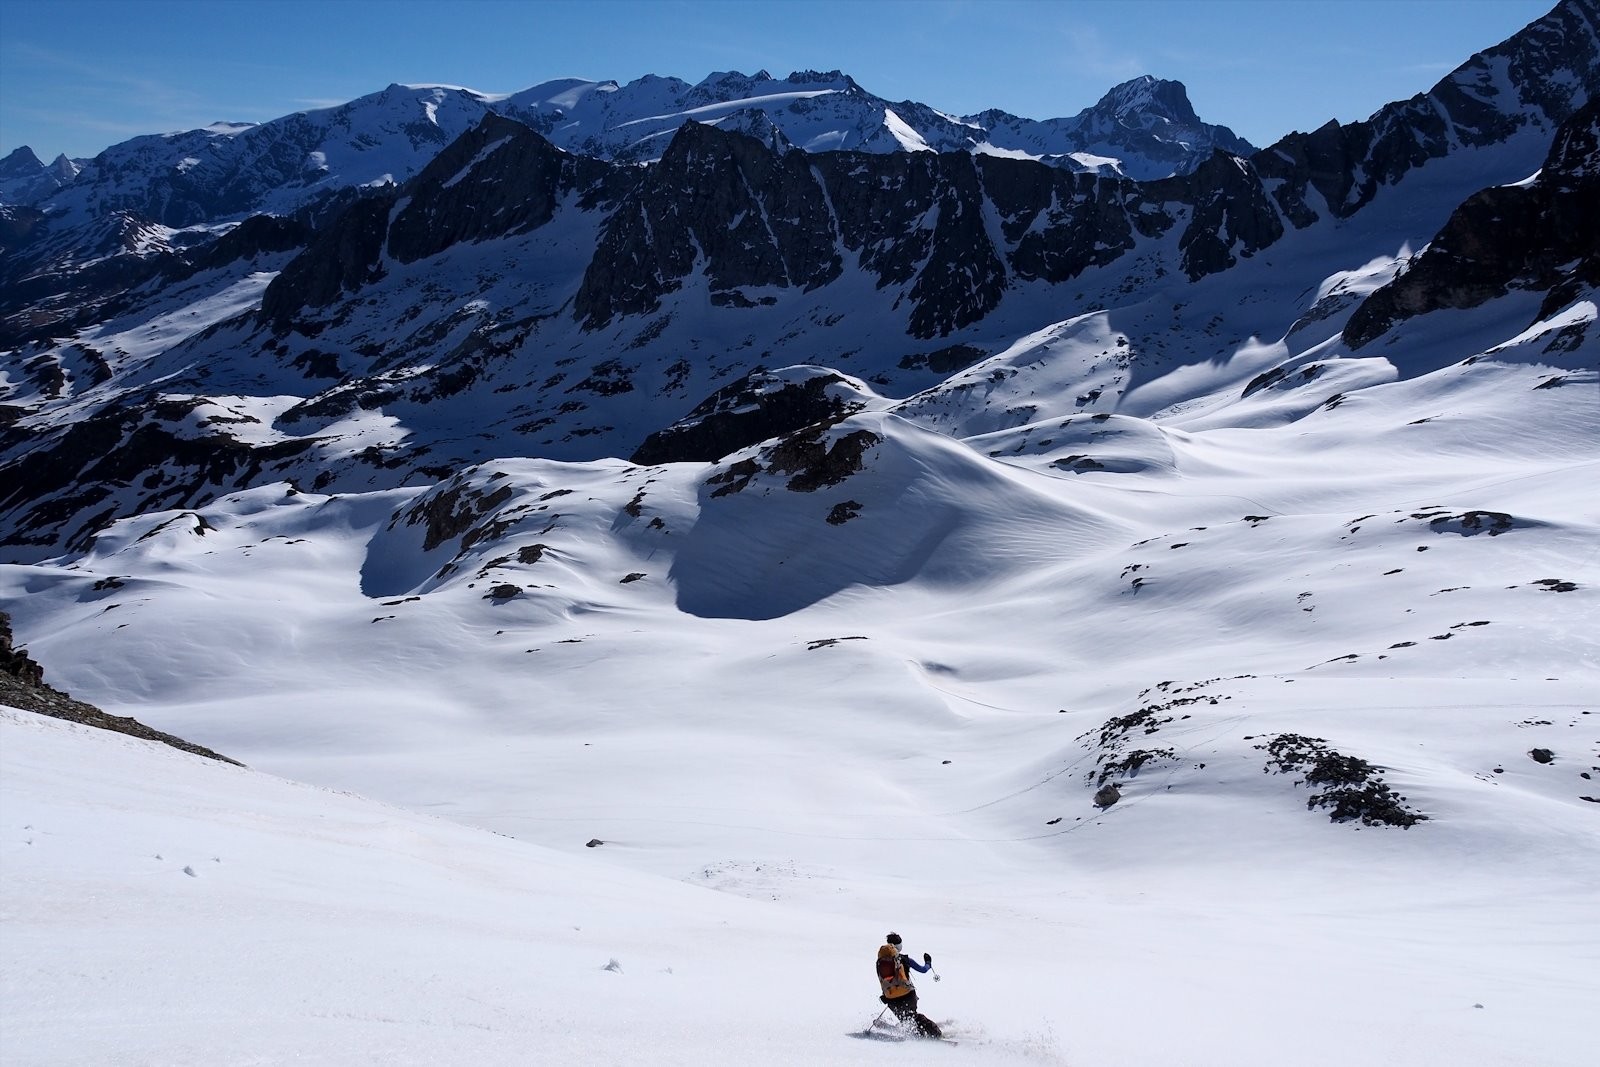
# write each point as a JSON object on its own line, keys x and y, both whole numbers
{"x": 898, "y": 992}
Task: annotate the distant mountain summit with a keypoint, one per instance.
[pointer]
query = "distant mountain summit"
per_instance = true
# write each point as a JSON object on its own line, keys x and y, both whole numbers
{"x": 1143, "y": 129}
{"x": 24, "y": 179}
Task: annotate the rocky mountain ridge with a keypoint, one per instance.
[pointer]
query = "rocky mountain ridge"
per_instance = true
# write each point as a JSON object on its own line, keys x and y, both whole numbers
{"x": 516, "y": 297}
{"x": 209, "y": 175}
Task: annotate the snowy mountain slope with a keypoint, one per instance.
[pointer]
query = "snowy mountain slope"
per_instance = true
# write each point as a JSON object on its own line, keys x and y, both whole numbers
{"x": 1144, "y": 129}
{"x": 1171, "y": 604}
{"x": 567, "y": 652}
{"x": 321, "y": 927}
{"x": 227, "y": 170}
{"x": 512, "y": 328}
{"x": 25, "y": 179}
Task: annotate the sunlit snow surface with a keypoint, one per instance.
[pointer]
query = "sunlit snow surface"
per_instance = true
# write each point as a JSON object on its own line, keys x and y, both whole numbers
{"x": 791, "y": 735}
{"x": 771, "y": 801}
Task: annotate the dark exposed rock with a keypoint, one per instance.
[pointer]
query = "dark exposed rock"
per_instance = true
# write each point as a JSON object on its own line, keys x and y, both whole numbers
{"x": 816, "y": 462}
{"x": 946, "y": 360}
{"x": 843, "y": 512}
{"x": 343, "y": 258}
{"x": 1535, "y": 236}
{"x": 1106, "y": 796}
{"x": 18, "y": 225}
{"x": 1542, "y": 755}
{"x": 51, "y": 486}
{"x": 1551, "y": 65}
{"x": 1351, "y": 786}
{"x": 755, "y": 408}
{"x": 14, "y": 662}
{"x": 757, "y": 219}
{"x": 452, "y": 511}
{"x": 829, "y": 642}
{"x": 814, "y": 457}
{"x": 1231, "y": 213}
{"x": 1467, "y": 523}
{"x": 498, "y": 179}
{"x": 256, "y": 236}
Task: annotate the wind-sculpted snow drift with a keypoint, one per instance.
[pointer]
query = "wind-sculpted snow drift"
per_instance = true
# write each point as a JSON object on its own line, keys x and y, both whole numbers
{"x": 1193, "y": 576}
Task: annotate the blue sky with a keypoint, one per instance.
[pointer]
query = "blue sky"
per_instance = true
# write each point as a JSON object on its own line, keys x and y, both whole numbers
{"x": 78, "y": 75}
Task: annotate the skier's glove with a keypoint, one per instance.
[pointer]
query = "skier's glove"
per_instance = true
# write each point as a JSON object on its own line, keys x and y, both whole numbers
{"x": 927, "y": 959}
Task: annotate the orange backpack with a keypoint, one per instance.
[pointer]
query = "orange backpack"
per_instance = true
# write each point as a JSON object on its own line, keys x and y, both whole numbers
{"x": 891, "y": 974}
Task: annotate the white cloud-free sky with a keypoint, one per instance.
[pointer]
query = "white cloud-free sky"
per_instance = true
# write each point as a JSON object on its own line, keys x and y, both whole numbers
{"x": 79, "y": 75}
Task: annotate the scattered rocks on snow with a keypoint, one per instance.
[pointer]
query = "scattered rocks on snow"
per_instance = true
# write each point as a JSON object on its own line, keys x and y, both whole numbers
{"x": 829, "y": 642}
{"x": 1555, "y": 585}
{"x": 594, "y": 842}
{"x": 1352, "y": 787}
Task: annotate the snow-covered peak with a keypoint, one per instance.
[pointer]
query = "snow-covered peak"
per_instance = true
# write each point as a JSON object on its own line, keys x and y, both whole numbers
{"x": 24, "y": 179}
{"x": 22, "y": 161}
{"x": 1147, "y": 95}
{"x": 228, "y": 170}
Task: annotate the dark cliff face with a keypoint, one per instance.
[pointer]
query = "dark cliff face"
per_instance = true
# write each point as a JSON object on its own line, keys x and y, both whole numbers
{"x": 342, "y": 258}
{"x": 918, "y": 221}
{"x": 1536, "y": 237}
{"x": 497, "y": 179}
{"x": 1231, "y": 213}
{"x": 1540, "y": 76}
{"x": 757, "y": 218}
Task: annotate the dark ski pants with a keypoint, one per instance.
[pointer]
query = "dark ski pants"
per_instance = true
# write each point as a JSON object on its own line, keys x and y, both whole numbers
{"x": 905, "y": 1009}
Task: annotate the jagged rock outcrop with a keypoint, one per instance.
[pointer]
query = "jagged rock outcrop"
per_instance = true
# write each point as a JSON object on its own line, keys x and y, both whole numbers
{"x": 758, "y": 219}
{"x": 1144, "y": 129}
{"x": 124, "y": 460}
{"x": 919, "y": 219}
{"x": 1540, "y": 236}
{"x": 343, "y": 258}
{"x": 1232, "y": 217}
{"x": 256, "y": 236}
{"x": 759, "y": 406}
{"x": 1539, "y": 77}
{"x": 497, "y": 179}
{"x": 25, "y": 179}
